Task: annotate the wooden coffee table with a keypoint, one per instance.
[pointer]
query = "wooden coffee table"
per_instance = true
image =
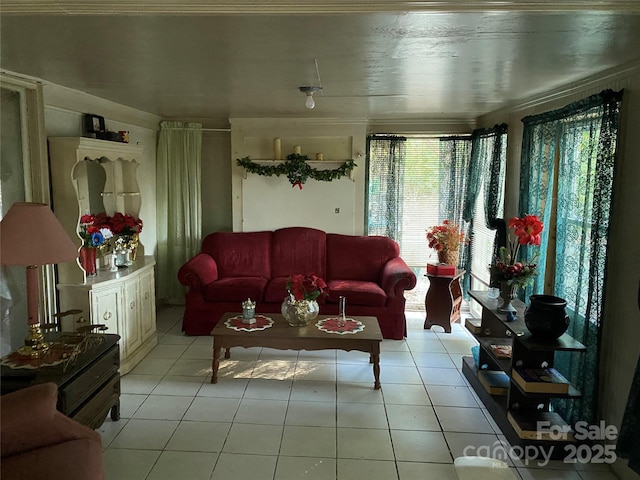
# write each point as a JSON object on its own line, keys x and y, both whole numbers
{"x": 282, "y": 336}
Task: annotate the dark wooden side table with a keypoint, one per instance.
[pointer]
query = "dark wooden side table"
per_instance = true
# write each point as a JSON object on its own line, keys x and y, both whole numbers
{"x": 88, "y": 385}
{"x": 443, "y": 300}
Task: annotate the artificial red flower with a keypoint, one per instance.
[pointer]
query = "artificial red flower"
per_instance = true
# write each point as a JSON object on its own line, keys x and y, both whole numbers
{"x": 506, "y": 268}
{"x": 306, "y": 287}
{"x": 94, "y": 229}
{"x": 527, "y": 229}
{"x": 445, "y": 237}
{"x": 125, "y": 224}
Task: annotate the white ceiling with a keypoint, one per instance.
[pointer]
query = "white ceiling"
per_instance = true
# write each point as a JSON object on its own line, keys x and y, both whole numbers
{"x": 378, "y": 63}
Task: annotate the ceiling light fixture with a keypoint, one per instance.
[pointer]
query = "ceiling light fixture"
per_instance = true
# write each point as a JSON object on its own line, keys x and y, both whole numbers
{"x": 309, "y": 91}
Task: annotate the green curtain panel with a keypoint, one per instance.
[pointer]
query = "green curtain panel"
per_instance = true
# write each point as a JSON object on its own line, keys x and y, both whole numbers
{"x": 179, "y": 210}
{"x": 385, "y": 169}
{"x": 487, "y": 169}
{"x": 579, "y": 141}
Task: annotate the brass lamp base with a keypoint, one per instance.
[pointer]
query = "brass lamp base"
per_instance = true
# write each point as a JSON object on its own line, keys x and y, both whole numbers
{"x": 34, "y": 344}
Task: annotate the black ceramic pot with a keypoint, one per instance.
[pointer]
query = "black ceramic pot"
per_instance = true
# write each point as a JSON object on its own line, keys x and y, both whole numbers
{"x": 546, "y": 317}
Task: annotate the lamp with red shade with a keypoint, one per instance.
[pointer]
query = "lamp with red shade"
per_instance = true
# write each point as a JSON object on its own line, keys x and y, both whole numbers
{"x": 31, "y": 235}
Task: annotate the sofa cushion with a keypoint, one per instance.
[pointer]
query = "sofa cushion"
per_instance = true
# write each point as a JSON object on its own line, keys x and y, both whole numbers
{"x": 276, "y": 290}
{"x": 357, "y": 293}
{"x": 358, "y": 257}
{"x": 298, "y": 250}
{"x": 235, "y": 289}
{"x": 240, "y": 254}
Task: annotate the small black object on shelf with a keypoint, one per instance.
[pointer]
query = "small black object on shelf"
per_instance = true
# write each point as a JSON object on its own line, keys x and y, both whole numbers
{"x": 546, "y": 317}
{"x": 111, "y": 136}
{"x": 93, "y": 124}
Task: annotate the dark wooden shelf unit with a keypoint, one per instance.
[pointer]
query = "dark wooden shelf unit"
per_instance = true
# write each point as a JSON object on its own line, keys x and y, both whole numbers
{"x": 527, "y": 352}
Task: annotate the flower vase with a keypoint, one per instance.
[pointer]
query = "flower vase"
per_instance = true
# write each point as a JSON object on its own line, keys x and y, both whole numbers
{"x": 299, "y": 312}
{"x": 448, "y": 257}
{"x": 507, "y": 293}
{"x": 88, "y": 260}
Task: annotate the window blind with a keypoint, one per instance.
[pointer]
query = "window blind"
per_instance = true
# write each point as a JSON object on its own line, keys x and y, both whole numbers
{"x": 409, "y": 191}
{"x": 421, "y": 199}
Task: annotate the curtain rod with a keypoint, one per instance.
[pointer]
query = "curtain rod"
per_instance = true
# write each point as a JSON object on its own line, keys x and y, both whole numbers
{"x": 202, "y": 129}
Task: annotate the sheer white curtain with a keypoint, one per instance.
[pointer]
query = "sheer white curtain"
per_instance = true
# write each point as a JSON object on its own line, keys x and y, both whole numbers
{"x": 179, "y": 210}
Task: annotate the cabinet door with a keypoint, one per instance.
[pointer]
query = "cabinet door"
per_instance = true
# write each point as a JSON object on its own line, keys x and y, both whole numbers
{"x": 147, "y": 304}
{"x": 130, "y": 322}
{"x": 106, "y": 304}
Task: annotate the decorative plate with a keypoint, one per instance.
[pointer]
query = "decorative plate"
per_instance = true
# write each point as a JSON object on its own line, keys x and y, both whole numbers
{"x": 261, "y": 323}
{"x": 330, "y": 325}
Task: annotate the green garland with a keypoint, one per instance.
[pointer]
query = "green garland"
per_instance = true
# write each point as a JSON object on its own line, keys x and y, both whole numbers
{"x": 297, "y": 170}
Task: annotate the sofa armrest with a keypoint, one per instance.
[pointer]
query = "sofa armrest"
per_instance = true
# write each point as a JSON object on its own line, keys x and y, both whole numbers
{"x": 397, "y": 277}
{"x": 30, "y": 420}
{"x": 199, "y": 271}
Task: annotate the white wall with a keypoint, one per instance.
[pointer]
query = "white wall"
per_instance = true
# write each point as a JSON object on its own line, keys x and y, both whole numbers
{"x": 216, "y": 182}
{"x": 620, "y": 345}
{"x": 272, "y": 203}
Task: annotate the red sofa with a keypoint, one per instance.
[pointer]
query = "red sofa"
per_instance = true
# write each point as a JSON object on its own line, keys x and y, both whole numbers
{"x": 232, "y": 267}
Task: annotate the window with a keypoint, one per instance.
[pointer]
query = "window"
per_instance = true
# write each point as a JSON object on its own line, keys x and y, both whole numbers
{"x": 489, "y": 153}
{"x": 409, "y": 189}
{"x": 23, "y": 162}
{"x": 482, "y": 244}
{"x": 414, "y": 183}
{"x": 568, "y": 165}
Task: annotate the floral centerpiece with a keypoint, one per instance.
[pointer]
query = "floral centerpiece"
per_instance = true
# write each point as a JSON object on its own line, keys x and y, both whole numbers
{"x": 507, "y": 269}
{"x": 300, "y": 306}
{"x": 306, "y": 287}
{"x": 125, "y": 224}
{"x": 127, "y": 227}
{"x": 446, "y": 240}
{"x": 94, "y": 229}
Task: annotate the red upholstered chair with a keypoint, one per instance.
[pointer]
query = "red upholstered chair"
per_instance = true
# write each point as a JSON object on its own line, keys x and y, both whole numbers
{"x": 39, "y": 442}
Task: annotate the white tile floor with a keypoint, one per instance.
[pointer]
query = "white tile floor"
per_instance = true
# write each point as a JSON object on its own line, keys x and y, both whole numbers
{"x": 279, "y": 415}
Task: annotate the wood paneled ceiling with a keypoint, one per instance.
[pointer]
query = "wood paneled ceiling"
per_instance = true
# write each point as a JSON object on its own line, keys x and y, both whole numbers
{"x": 376, "y": 60}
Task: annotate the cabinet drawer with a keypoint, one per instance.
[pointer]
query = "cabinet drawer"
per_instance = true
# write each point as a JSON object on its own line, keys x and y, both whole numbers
{"x": 93, "y": 412}
{"x": 73, "y": 394}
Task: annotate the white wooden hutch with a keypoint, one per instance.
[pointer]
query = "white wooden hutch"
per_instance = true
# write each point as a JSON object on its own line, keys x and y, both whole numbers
{"x": 91, "y": 176}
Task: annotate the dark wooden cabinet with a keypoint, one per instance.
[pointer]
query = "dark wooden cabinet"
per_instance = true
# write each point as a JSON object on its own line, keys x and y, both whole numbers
{"x": 443, "y": 300}
{"x": 88, "y": 385}
{"x": 527, "y": 352}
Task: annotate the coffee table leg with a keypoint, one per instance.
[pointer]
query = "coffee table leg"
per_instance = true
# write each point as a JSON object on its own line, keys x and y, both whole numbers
{"x": 376, "y": 370}
{"x": 216, "y": 363}
{"x": 227, "y": 353}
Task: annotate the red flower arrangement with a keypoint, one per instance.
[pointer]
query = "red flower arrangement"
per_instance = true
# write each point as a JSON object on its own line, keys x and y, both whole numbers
{"x": 306, "y": 287}
{"x": 506, "y": 269}
{"x": 125, "y": 224}
{"x": 95, "y": 229}
{"x": 445, "y": 237}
